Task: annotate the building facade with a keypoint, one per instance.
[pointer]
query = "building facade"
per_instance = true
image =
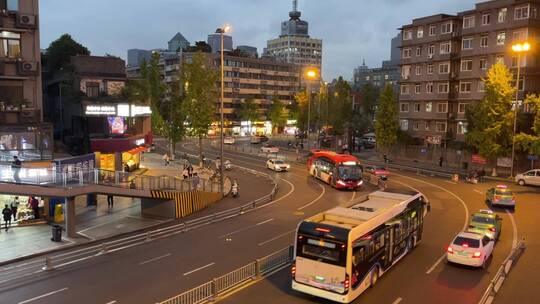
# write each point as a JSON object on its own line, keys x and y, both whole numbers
{"x": 214, "y": 41}
{"x": 250, "y": 50}
{"x": 136, "y": 57}
{"x": 445, "y": 57}
{"x": 177, "y": 43}
{"x": 294, "y": 45}
{"x": 22, "y": 131}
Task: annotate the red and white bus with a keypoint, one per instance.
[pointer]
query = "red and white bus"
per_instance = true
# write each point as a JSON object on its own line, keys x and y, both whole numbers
{"x": 341, "y": 171}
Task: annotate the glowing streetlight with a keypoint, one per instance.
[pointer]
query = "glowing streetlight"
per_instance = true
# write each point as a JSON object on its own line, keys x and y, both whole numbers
{"x": 311, "y": 74}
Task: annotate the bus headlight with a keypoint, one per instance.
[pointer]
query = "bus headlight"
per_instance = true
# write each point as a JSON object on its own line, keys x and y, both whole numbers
{"x": 360, "y": 183}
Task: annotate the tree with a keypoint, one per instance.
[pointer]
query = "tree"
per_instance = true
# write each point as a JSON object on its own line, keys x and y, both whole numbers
{"x": 170, "y": 123}
{"x": 200, "y": 46}
{"x": 200, "y": 96}
{"x": 277, "y": 114}
{"x": 490, "y": 122}
{"x": 60, "y": 51}
{"x": 299, "y": 110}
{"x": 341, "y": 110}
{"x": 386, "y": 119}
{"x": 248, "y": 111}
{"x": 529, "y": 142}
{"x": 364, "y": 115}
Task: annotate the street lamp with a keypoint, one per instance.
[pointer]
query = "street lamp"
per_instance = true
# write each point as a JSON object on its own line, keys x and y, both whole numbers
{"x": 311, "y": 74}
{"x": 221, "y": 31}
{"x": 517, "y": 48}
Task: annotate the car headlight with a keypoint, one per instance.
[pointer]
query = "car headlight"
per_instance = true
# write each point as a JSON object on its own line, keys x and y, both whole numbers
{"x": 340, "y": 182}
{"x": 360, "y": 182}
{"x": 288, "y": 166}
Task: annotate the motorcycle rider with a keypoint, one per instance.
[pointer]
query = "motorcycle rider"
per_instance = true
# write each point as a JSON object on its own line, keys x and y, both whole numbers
{"x": 234, "y": 189}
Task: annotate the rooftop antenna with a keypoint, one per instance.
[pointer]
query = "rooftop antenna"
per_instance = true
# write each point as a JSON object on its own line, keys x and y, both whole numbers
{"x": 294, "y": 5}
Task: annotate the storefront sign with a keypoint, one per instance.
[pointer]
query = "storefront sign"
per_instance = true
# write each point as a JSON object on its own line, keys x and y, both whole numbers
{"x": 434, "y": 140}
{"x": 504, "y": 162}
{"x": 477, "y": 159}
{"x": 76, "y": 163}
{"x": 139, "y": 142}
{"x": 99, "y": 110}
{"x": 122, "y": 110}
{"x": 140, "y": 110}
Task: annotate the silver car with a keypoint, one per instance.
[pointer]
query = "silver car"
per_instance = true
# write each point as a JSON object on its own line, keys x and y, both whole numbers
{"x": 531, "y": 177}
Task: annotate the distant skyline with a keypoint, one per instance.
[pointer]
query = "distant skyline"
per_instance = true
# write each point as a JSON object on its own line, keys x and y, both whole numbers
{"x": 351, "y": 30}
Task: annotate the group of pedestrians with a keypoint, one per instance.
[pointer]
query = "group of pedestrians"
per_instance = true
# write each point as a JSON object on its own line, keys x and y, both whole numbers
{"x": 11, "y": 210}
{"x": 187, "y": 171}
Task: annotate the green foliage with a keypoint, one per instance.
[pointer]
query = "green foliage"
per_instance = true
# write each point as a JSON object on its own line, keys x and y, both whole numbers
{"x": 490, "y": 122}
{"x": 248, "y": 110}
{"x": 340, "y": 107}
{"x": 299, "y": 109}
{"x": 386, "y": 119}
{"x": 171, "y": 121}
{"x": 60, "y": 51}
{"x": 362, "y": 118}
{"x": 200, "y": 46}
{"x": 529, "y": 142}
{"x": 277, "y": 114}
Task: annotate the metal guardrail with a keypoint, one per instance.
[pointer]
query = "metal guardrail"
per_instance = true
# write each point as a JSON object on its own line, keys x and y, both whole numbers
{"x": 504, "y": 270}
{"x": 211, "y": 290}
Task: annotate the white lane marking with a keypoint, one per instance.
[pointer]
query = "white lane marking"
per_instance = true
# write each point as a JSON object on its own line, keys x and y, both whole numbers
{"x": 155, "y": 259}
{"x": 245, "y": 228}
{"x": 397, "y": 301}
{"x": 197, "y": 269}
{"x": 281, "y": 198}
{"x": 450, "y": 182}
{"x": 436, "y": 264}
{"x": 275, "y": 238}
{"x": 478, "y": 191}
{"x": 316, "y": 199}
{"x": 111, "y": 302}
{"x": 514, "y": 226}
{"x": 353, "y": 196}
{"x": 43, "y": 295}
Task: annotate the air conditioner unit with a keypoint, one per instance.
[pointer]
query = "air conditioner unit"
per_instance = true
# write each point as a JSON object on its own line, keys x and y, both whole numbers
{"x": 26, "y": 21}
{"x": 28, "y": 67}
{"x": 405, "y": 77}
{"x": 430, "y": 56}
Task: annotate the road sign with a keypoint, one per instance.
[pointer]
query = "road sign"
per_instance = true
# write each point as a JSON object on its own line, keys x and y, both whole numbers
{"x": 532, "y": 157}
{"x": 477, "y": 159}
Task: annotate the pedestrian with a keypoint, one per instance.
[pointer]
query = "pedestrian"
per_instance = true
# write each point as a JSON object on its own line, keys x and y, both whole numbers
{"x": 41, "y": 207}
{"x": 196, "y": 181}
{"x": 14, "y": 206}
{"x": 166, "y": 159}
{"x": 385, "y": 159}
{"x": 185, "y": 173}
{"x": 6, "y": 212}
{"x": 34, "y": 204}
{"x": 16, "y": 167}
{"x": 190, "y": 170}
{"x": 132, "y": 184}
{"x": 440, "y": 161}
{"x": 110, "y": 201}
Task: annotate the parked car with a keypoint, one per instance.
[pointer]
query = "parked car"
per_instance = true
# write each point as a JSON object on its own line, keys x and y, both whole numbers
{"x": 267, "y": 148}
{"x": 471, "y": 249}
{"x": 228, "y": 140}
{"x": 277, "y": 165}
{"x": 501, "y": 195}
{"x": 378, "y": 171}
{"x": 531, "y": 177}
{"x": 486, "y": 222}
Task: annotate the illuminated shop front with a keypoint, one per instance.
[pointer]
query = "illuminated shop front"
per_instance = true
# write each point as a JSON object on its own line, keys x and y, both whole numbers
{"x": 248, "y": 128}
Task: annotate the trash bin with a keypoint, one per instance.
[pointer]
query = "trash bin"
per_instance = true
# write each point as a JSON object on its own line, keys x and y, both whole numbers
{"x": 56, "y": 233}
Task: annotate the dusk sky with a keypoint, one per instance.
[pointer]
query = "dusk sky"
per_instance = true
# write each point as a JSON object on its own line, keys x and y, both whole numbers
{"x": 351, "y": 29}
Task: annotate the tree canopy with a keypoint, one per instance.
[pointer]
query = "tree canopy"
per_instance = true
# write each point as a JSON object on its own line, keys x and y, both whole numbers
{"x": 341, "y": 104}
{"x": 248, "y": 110}
{"x": 60, "y": 51}
{"x": 529, "y": 140}
{"x": 277, "y": 114}
{"x": 386, "y": 118}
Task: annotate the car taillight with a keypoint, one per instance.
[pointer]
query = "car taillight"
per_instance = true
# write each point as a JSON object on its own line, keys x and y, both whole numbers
{"x": 497, "y": 197}
{"x": 450, "y": 250}
{"x": 293, "y": 270}
{"x": 346, "y": 283}
{"x": 477, "y": 254}
{"x": 492, "y": 229}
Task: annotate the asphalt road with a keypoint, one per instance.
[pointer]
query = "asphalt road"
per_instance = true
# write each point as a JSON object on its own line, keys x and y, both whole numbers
{"x": 158, "y": 270}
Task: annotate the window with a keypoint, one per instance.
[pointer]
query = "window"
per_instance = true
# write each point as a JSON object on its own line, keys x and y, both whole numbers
{"x": 367, "y": 78}
{"x": 461, "y": 107}
{"x": 523, "y": 60}
{"x": 432, "y": 30}
{"x": 405, "y": 71}
{"x": 446, "y": 48}
{"x": 416, "y": 126}
{"x": 430, "y": 68}
{"x": 481, "y": 86}
{"x": 499, "y": 59}
{"x": 407, "y": 53}
{"x": 418, "y": 70}
{"x": 483, "y": 63}
{"x": 466, "y": 65}
{"x": 10, "y": 44}
{"x": 12, "y": 5}
{"x": 502, "y": 15}
{"x": 484, "y": 41}
{"x": 519, "y": 35}
{"x": 404, "y": 107}
{"x": 429, "y": 87}
{"x": 420, "y": 32}
{"x": 407, "y": 35}
{"x": 427, "y": 126}
{"x": 465, "y": 87}
{"x": 404, "y": 124}
{"x": 418, "y": 51}
{"x": 386, "y": 77}
{"x": 92, "y": 89}
{"x": 446, "y": 28}
{"x": 443, "y": 87}
{"x": 486, "y": 19}
{"x": 501, "y": 38}
{"x": 461, "y": 128}
{"x": 417, "y": 89}
{"x": 521, "y": 85}
{"x": 468, "y": 22}
{"x": 429, "y": 106}
{"x": 444, "y": 68}
{"x": 416, "y": 107}
{"x": 440, "y": 126}
{"x": 431, "y": 50}
{"x": 404, "y": 89}
{"x": 521, "y": 12}
{"x": 442, "y": 107}
{"x": 467, "y": 44}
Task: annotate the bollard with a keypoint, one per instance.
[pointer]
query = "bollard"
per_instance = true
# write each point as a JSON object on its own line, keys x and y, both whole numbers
{"x": 48, "y": 264}
{"x": 257, "y": 269}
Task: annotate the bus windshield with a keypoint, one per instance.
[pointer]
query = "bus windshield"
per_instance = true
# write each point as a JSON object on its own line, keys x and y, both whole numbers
{"x": 322, "y": 250}
{"x": 349, "y": 172}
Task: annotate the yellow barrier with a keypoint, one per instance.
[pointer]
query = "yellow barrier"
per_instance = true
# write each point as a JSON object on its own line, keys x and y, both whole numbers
{"x": 186, "y": 203}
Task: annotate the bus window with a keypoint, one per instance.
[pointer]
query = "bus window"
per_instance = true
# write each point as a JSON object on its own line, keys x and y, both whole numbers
{"x": 349, "y": 172}
{"x": 322, "y": 250}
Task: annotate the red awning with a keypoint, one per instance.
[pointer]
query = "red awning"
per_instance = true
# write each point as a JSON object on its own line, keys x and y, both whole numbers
{"x": 136, "y": 150}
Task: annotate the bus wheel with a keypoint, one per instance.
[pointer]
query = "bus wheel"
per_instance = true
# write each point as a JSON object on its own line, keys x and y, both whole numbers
{"x": 374, "y": 276}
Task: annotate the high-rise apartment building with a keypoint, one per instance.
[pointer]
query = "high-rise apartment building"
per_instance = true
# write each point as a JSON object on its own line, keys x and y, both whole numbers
{"x": 294, "y": 45}
{"x": 22, "y": 131}
{"x": 214, "y": 41}
{"x": 445, "y": 57}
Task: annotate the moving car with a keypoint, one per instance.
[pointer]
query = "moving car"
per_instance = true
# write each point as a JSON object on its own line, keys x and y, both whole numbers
{"x": 263, "y": 138}
{"x": 471, "y": 249}
{"x": 531, "y": 177}
{"x": 378, "y": 171}
{"x": 228, "y": 140}
{"x": 501, "y": 195}
{"x": 277, "y": 165}
{"x": 486, "y": 222}
{"x": 255, "y": 140}
{"x": 269, "y": 149}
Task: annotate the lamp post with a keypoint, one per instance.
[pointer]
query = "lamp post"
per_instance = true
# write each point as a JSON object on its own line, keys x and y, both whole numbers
{"x": 311, "y": 74}
{"x": 517, "y": 48}
{"x": 221, "y": 31}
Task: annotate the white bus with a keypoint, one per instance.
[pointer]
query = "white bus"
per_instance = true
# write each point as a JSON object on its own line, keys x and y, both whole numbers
{"x": 341, "y": 252}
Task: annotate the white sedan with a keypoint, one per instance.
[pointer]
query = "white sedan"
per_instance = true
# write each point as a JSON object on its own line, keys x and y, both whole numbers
{"x": 471, "y": 249}
{"x": 228, "y": 140}
{"x": 277, "y": 165}
{"x": 269, "y": 149}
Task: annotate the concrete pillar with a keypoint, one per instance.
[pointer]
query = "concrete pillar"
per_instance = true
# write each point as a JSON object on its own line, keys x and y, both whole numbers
{"x": 69, "y": 216}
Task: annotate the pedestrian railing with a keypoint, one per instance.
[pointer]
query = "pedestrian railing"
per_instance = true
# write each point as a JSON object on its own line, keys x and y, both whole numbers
{"x": 234, "y": 279}
{"x": 504, "y": 270}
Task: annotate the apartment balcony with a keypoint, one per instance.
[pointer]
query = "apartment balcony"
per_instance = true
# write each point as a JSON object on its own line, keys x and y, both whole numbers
{"x": 9, "y": 116}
